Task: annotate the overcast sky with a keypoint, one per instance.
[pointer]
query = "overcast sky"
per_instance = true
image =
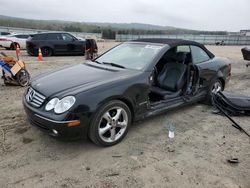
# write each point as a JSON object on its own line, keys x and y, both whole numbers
{"x": 231, "y": 15}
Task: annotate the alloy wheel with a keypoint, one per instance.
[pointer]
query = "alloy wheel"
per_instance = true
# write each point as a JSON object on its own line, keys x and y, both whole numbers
{"x": 46, "y": 52}
{"x": 113, "y": 124}
{"x": 217, "y": 86}
{"x": 23, "y": 78}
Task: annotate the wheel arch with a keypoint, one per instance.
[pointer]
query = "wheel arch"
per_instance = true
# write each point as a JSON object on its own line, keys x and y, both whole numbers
{"x": 119, "y": 98}
{"x": 14, "y": 44}
{"x": 49, "y": 47}
{"x": 220, "y": 77}
{"x": 223, "y": 82}
{"x": 130, "y": 106}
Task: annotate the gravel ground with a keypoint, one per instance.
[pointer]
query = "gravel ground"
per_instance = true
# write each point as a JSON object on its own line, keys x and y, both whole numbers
{"x": 196, "y": 157}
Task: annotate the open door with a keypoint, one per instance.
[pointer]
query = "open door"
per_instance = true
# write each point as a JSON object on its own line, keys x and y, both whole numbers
{"x": 174, "y": 76}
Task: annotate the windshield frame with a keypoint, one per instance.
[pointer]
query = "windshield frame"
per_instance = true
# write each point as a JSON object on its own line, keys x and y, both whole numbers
{"x": 148, "y": 65}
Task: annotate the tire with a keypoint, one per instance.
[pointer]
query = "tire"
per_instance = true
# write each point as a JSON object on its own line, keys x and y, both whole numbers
{"x": 107, "y": 127}
{"x": 215, "y": 84}
{"x": 23, "y": 78}
{"x": 14, "y": 45}
{"x": 47, "y": 52}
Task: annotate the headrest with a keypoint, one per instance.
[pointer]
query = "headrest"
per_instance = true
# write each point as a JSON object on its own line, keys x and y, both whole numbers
{"x": 180, "y": 57}
{"x": 170, "y": 55}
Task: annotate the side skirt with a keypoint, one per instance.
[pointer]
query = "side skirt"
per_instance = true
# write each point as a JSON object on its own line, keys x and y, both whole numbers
{"x": 167, "y": 105}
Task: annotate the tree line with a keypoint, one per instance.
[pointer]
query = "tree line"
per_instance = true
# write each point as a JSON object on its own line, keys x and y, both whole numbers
{"x": 107, "y": 32}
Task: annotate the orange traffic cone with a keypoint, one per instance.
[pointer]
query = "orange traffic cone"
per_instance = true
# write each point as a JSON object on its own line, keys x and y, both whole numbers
{"x": 40, "y": 55}
{"x": 17, "y": 52}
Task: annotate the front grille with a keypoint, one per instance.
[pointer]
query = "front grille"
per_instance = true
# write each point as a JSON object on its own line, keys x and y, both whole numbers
{"x": 34, "y": 98}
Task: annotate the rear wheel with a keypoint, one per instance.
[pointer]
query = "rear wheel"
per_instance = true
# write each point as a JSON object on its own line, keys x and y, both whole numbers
{"x": 23, "y": 77}
{"x": 13, "y": 46}
{"x": 216, "y": 85}
{"x": 110, "y": 124}
{"x": 46, "y": 51}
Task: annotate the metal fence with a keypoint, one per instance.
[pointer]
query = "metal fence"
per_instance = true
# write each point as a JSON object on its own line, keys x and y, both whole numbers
{"x": 32, "y": 31}
{"x": 204, "y": 39}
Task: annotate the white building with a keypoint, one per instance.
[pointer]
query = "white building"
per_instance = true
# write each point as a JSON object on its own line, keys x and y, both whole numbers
{"x": 245, "y": 32}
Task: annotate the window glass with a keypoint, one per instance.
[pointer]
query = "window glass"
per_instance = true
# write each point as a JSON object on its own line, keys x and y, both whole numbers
{"x": 199, "y": 55}
{"x": 25, "y": 36}
{"x": 131, "y": 55}
{"x": 18, "y": 36}
{"x": 40, "y": 37}
{"x": 54, "y": 36}
{"x": 67, "y": 37}
{"x": 183, "y": 49}
{"x": 22, "y": 36}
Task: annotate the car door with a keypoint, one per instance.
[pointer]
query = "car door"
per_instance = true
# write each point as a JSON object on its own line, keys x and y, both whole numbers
{"x": 204, "y": 64}
{"x": 21, "y": 40}
{"x": 79, "y": 45}
{"x": 55, "y": 41}
{"x": 18, "y": 39}
{"x": 72, "y": 44}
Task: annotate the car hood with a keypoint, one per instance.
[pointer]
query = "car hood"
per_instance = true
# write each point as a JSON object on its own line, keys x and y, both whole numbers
{"x": 81, "y": 77}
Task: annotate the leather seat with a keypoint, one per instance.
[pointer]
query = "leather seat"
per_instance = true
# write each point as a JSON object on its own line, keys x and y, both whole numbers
{"x": 171, "y": 79}
{"x": 164, "y": 93}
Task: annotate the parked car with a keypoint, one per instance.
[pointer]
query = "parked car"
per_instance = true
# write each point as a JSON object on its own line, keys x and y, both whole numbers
{"x": 54, "y": 44}
{"x": 220, "y": 43}
{"x": 10, "y": 42}
{"x": 101, "y": 98}
{"x": 2, "y": 33}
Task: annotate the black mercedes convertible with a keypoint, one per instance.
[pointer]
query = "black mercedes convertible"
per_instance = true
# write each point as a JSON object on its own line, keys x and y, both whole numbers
{"x": 100, "y": 99}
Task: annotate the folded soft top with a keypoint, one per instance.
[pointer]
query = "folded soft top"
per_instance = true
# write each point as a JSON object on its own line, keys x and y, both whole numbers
{"x": 229, "y": 104}
{"x": 232, "y": 103}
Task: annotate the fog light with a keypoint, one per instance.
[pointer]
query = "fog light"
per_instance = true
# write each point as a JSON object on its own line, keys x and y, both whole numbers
{"x": 55, "y": 131}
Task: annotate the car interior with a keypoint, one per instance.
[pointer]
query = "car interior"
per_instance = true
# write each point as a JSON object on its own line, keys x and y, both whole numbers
{"x": 174, "y": 75}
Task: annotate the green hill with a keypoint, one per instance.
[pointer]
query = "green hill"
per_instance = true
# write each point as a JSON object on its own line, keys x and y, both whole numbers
{"x": 96, "y": 27}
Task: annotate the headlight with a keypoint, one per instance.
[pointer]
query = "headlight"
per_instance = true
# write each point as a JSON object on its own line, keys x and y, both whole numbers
{"x": 65, "y": 104}
{"x": 51, "y": 104}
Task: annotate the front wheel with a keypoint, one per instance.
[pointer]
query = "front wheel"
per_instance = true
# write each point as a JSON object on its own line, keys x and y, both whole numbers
{"x": 23, "y": 77}
{"x": 110, "y": 123}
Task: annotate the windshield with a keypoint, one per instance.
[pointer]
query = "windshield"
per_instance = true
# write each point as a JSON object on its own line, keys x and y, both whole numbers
{"x": 131, "y": 55}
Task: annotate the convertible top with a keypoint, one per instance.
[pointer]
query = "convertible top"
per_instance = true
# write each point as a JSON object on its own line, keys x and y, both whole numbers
{"x": 174, "y": 42}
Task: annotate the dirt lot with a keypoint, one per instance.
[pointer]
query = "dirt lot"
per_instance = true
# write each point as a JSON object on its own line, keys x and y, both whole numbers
{"x": 196, "y": 157}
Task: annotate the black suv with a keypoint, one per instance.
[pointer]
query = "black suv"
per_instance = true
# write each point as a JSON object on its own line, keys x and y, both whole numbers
{"x": 54, "y": 44}
{"x": 4, "y": 33}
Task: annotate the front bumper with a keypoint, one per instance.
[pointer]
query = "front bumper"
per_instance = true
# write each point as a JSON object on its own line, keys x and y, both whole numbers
{"x": 55, "y": 128}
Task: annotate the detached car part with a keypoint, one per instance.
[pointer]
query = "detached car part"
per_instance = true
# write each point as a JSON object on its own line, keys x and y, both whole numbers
{"x": 229, "y": 105}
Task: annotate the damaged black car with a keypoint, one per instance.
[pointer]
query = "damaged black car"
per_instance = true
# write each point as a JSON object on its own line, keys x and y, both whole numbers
{"x": 134, "y": 80}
